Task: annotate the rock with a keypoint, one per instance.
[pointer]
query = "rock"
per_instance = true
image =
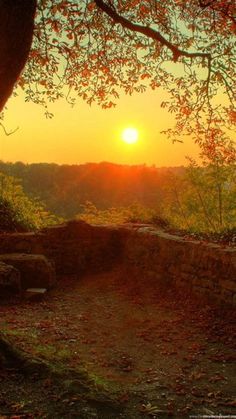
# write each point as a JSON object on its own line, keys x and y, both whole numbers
{"x": 35, "y": 294}
{"x": 229, "y": 284}
{"x": 9, "y": 278}
{"x": 36, "y": 271}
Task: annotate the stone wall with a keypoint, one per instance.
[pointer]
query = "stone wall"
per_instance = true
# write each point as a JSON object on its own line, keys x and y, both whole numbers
{"x": 205, "y": 269}
{"x": 153, "y": 255}
{"x": 75, "y": 247}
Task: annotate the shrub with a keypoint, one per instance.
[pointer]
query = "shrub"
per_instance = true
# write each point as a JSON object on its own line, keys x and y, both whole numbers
{"x": 18, "y": 212}
{"x": 202, "y": 199}
{"x": 134, "y": 213}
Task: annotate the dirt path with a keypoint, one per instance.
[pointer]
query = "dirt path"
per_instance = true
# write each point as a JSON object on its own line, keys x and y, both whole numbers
{"x": 163, "y": 355}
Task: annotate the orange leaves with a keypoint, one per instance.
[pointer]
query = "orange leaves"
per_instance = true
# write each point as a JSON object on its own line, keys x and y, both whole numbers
{"x": 91, "y": 6}
{"x": 145, "y": 76}
{"x": 144, "y": 10}
{"x": 43, "y": 60}
{"x": 85, "y": 73}
{"x": 233, "y": 27}
{"x": 232, "y": 115}
{"x": 93, "y": 56}
{"x": 54, "y": 9}
{"x": 154, "y": 84}
{"x": 60, "y": 7}
{"x": 186, "y": 110}
{"x": 70, "y": 35}
{"x": 56, "y": 26}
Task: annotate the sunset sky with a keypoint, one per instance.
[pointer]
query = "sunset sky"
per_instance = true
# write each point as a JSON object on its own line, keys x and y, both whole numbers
{"x": 90, "y": 134}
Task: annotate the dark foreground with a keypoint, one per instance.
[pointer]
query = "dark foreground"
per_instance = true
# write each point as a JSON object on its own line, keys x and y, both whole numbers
{"x": 113, "y": 348}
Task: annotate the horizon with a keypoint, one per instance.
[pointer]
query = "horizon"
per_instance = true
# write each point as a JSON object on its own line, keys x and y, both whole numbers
{"x": 153, "y": 166}
{"x": 83, "y": 133}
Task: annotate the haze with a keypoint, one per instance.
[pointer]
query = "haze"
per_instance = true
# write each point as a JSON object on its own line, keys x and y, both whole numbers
{"x": 90, "y": 134}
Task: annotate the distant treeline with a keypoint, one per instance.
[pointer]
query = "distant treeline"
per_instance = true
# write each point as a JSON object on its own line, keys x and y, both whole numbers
{"x": 64, "y": 188}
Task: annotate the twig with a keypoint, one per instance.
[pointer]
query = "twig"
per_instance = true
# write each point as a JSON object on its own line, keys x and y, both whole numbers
{"x": 151, "y": 33}
{"x": 10, "y": 132}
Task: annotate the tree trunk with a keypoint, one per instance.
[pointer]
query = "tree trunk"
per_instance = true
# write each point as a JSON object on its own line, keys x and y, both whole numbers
{"x": 16, "y": 34}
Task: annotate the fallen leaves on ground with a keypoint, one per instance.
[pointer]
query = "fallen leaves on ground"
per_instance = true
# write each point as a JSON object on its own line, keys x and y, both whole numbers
{"x": 166, "y": 348}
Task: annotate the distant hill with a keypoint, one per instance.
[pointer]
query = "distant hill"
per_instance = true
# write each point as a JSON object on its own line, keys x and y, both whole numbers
{"x": 63, "y": 188}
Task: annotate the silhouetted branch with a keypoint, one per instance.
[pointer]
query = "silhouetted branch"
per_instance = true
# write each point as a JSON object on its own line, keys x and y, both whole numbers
{"x": 6, "y": 132}
{"x": 150, "y": 33}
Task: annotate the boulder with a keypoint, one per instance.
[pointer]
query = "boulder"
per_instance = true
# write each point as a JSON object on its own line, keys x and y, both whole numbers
{"x": 36, "y": 271}
{"x": 9, "y": 279}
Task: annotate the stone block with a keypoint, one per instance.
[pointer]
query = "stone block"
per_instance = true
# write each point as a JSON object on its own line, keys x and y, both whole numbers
{"x": 35, "y": 294}
{"x": 36, "y": 271}
{"x": 227, "y": 296}
{"x": 228, "y": 285}
{"x": 9, "y": 279}
{"x": 201, "y": 291}
{"x": 198, "y": 282}
{"x": 208, "y": 283}
{"x": 187, "y": 268}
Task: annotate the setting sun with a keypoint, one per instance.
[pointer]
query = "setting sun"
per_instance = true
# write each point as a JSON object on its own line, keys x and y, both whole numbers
{"x": 130, "y": 135}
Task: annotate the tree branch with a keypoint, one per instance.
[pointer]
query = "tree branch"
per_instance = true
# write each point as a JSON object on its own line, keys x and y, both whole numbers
{"x": 149, "y": 32}
{"x": 6, "y": 132}
{"x": 224, "y": 12}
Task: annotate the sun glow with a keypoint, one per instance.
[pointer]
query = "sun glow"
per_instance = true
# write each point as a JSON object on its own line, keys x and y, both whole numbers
{"x": 130, "y": 135}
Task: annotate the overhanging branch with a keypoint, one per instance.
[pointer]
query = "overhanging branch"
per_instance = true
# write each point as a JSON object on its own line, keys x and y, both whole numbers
{"x": 149, "y": 32}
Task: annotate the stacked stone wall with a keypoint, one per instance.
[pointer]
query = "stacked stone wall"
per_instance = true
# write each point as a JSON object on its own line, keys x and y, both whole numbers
{"x": 158, "y": 258}
{"x": 206, "y": 269}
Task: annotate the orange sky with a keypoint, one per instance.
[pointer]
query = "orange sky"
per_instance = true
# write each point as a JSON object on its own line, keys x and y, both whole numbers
{"x": 90, "y": 134}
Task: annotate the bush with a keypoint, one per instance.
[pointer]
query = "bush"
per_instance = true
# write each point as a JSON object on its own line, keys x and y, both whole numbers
{"x": 203, "y": 199}
{"x": 134, "y": 213}
{"x": 18, "y": 212}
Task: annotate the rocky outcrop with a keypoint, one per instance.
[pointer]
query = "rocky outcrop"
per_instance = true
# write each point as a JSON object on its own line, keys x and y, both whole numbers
{"x": 9, "y": 279}
{"x": 36, "y": 271}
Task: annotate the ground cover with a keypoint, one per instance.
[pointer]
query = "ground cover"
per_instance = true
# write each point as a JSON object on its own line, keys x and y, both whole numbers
{"x": 119, "y": 348}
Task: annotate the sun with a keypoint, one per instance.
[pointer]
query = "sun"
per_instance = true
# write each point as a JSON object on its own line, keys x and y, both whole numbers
{"x": 130, "y": 135}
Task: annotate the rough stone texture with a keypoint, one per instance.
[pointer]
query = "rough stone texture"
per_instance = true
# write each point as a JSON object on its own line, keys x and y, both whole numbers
{"x": 35, "y": 270}
{"x": 155, "y": 256}
{"x": 78, "y": 247}
{"x": 21, "y": 243}
{"x": 206, "y": 269}
{"x": 75, "y": 247}
{"x": 9, "y": 279}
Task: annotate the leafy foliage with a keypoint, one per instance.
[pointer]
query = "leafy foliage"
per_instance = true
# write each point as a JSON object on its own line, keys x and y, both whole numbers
{"x": 63, "y": 189}
{"x": 135, "y": 213}
{"x": 94, "y": 49}
{"x": 17, "y": 211}
{"x": 198, "y": 198}
{"x": 203, "y": 198}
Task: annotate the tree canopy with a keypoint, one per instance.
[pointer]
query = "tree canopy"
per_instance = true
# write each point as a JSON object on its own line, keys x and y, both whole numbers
{"x": 96, "y": 49}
